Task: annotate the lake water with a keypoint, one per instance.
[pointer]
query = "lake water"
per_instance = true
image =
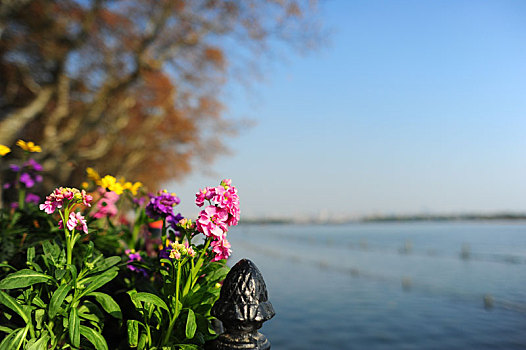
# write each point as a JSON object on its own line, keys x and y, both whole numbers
{"x": 391, "y": 285}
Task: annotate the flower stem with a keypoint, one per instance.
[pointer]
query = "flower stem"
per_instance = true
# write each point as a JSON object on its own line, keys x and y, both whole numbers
{"x": 195, "y": 269}
{"x": 21, "y": 198}
{"x": 176, "y": 313}
{"x": 135, "y": 232}
{"x": 163, "y": 234}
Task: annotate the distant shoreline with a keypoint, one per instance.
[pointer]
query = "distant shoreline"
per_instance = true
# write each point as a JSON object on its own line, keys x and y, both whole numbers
{"x": 389, "y": 218}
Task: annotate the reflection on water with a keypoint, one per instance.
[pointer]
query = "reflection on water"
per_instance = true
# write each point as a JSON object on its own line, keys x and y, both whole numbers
{"x": 396, "y": 286}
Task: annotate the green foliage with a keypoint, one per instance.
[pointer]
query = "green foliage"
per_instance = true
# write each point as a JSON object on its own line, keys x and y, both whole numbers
{"x": 180, "y": 311}
{"x": 79, "y": 288}
{"x": 49, "y": 304}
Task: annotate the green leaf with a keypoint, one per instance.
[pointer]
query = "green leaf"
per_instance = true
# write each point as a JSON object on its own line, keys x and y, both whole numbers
{"x": 218, "y": 274}
{"x": 73, "y": 269}
{"x": 23, "y": 278}
{"x": 108, "y": 304}
{"x": 51, "y": 251}
{"x": 143, "y": 341}
{"x": 108, "y": 262}
{"x": 203, "y": 309}
{"x": 59, "y": 273}
{"x": 95, "y": 282}
{"x": 39, "y": 302}
{"x": 57, "y": 299}
{"x": 136, "y": 303}
{"x": 191, "y": 326}
{"x": 39, "y": 318}
{"x": 166, "y": 261}
{"x": 150, "y": 298}
{"x": 5, "y": 329}
{"x": 14, "y": 340}
{"x": 90, "y": 311}
{"x": 74, "y": 327}
{"x": 133, "y": 333}
{"x": 188, "y": 346}
{"x": 30, "y": 254}
{"x": 41, "y": 343}
{"x": 22, "y": 310}
{"x": 94, "y": 338}
{"x": 8, "y": 266}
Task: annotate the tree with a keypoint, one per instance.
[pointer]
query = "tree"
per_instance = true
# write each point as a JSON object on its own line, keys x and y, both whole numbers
{"x": 130, "y": 87}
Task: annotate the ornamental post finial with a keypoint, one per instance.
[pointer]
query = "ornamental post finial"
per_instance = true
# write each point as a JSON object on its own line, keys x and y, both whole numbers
{"x": 242, "y": 307}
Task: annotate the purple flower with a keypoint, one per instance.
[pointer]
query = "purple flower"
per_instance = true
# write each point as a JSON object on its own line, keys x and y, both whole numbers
{"x": 138, "y": 201}
{"x": 14, "y": 167}
{"x": 161, "y": 206}
{"x": 133, "y": 256}
{"x": 29, "y": 176}
{"x": 33, "y": 164}
{"x": 27, "y": 180}
{"x": 173, "y": 220}
{"x": 32, "y": 198}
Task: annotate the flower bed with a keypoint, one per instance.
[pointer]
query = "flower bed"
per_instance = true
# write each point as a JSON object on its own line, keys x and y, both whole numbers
{"x": 81, "y": 269}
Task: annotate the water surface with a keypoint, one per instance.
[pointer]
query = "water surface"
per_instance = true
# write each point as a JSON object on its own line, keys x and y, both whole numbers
{"x": 391, "y": 285}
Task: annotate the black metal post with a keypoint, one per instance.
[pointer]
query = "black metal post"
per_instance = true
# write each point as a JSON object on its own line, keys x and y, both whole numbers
{"x": 242, "y": 307}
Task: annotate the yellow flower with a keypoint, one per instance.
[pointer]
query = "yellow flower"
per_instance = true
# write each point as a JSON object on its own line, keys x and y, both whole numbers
{"x": 28, "y": 146}
{"x": 132, "y": 187}
{"x": 85, "y": 185}
{"x": 4, "y": 150}
{"x": 111, "y": 184}
{"x": 93, "y": 175}
{"x": 108, "y": 181}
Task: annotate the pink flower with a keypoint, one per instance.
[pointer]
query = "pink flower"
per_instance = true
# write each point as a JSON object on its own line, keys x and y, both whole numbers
{"x": 75, "y": 222}
{"x": 49, "y": 206}
{"x": 221, "y": 248}
{"x": 212, "y": 221}
{"x": 106, "y": 205}
{"x": 200, "y": 198}
{"x": 59, "y": 195}
{"x": 208, "y": 193}
{"x": 86, "y": 198}
{"x": 229, "y": 200}
{"x": 175, "y": 254}
{"x": 233, "y": 218}
{"x": 189, "y": 250}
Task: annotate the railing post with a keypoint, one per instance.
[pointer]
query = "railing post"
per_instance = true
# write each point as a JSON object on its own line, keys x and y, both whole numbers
{"x": 242, "y": 307}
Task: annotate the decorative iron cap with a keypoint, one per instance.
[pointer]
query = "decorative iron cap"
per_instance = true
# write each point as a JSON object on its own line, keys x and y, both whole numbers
{"x": 243, "y": 297}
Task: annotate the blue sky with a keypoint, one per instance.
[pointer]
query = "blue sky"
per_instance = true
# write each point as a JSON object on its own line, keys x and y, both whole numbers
{"x": 411, "y": 107}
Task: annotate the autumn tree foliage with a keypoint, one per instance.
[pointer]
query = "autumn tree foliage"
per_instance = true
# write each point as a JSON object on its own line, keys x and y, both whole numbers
{"x": 131, "y": 87}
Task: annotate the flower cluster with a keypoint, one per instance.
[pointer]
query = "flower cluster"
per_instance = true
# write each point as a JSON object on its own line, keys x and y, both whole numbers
{"x": 179, "y": 250}
{"x": 63, "y": 196}
{"x": 161, "y": 207}
{"x": 75, "y": 222}
{"x": 215, "y": 219}
{"x": 29, "y": 174}
{"x": 112, "y": 184}
{"x": 221, "y": 248}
